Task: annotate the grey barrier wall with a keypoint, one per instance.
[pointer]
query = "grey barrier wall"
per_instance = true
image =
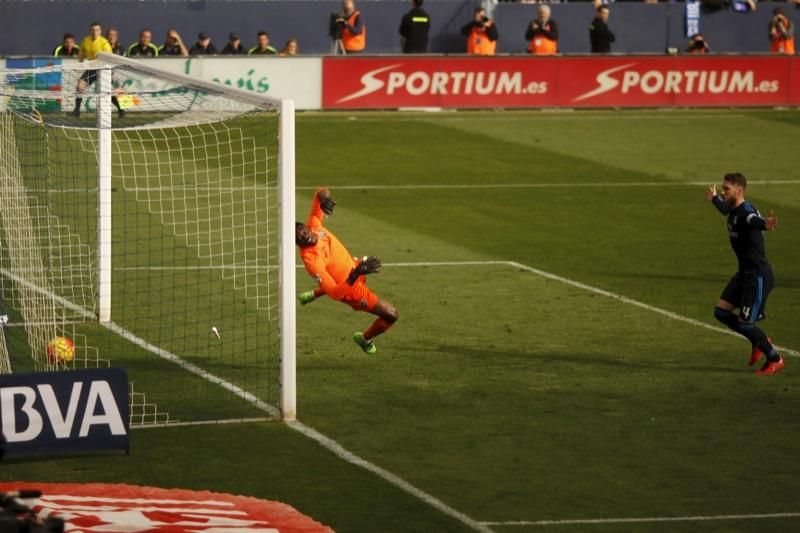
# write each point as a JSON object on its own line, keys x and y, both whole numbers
{"x": 34, "y": 27}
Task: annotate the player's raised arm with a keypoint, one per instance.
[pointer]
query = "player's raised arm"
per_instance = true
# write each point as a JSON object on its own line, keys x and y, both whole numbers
{"x": 322, "y": 205}
{"x": 714, "y": 198}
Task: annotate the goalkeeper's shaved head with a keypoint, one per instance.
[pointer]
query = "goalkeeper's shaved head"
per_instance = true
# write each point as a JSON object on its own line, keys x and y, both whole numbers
{"x": 303, "y": 236}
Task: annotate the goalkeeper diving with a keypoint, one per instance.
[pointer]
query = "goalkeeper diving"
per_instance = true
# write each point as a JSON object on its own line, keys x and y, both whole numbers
{"x": 341, "y": 276}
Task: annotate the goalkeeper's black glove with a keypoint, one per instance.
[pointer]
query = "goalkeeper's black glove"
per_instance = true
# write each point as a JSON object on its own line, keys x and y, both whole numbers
{"x": 327, "y": 204}
{"x": 370, "y": 265}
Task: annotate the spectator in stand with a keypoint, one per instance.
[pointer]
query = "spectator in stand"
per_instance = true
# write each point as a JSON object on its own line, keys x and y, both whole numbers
{"x": 67, "y": 47}
{"x": 414, "y": 29}
{"x": 234, "y": 46}
{"x": 203, "y": 46}
{"x": 743, "y": 6}
{"x": 481, "y": 34}
{"x": 291, "y": 48}
{"x": 698, "y": 45}
{"x": 144, "y": 47}
{"x": 542, "y": 33}
{"x": 173, "y": 46}
{"x": 112, "y": 36}
{"x": 781, "y": 33}
{"x": 351, "y": 28}
{"x": 262, "y": 47}
{"x": 599, "y": 35}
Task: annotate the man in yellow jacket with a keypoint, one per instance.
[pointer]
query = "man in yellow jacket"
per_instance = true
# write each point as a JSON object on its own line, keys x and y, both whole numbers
{"x": 92, "y": 44}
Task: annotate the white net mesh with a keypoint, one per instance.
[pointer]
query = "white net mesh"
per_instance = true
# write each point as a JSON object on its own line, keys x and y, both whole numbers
{"x": 194, "y": 235}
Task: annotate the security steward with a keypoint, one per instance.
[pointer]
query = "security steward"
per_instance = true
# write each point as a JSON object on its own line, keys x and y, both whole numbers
{"x": 600, "y": 36}
{"x": 481, "y": 34}
{"x": 414, "y": 28}
{"x": 542, "y": 33}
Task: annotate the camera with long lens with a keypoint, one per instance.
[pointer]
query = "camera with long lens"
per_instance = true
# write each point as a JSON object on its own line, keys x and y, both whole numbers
{"x": 336, "y": 25}
{"x": 18, "y": 518}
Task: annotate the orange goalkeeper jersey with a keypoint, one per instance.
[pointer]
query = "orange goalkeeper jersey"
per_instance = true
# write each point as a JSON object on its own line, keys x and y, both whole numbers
{"x": 328, "y": 261}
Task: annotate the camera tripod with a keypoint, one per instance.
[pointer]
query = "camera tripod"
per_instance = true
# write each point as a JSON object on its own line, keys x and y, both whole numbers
{"x": 337, "y": 47}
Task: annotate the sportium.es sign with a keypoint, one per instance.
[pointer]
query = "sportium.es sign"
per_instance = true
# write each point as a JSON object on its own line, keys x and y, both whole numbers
{"x": 64, "y": 412}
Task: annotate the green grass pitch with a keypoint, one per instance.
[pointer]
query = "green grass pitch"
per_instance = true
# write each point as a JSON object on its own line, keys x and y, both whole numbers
{"x": 508, "y": 395}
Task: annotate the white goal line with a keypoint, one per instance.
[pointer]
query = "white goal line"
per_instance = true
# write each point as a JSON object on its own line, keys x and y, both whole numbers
{"x": 645, "y": 520}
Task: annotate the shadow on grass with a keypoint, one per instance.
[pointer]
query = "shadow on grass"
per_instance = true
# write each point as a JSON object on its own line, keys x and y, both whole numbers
{"x": 587, "y": 360}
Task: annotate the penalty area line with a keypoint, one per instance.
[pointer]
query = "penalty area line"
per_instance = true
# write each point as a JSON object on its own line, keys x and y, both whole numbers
{"x": 637, "y": 303}
{"x": 644, "y": 520}
{"x": 326, "y": 442}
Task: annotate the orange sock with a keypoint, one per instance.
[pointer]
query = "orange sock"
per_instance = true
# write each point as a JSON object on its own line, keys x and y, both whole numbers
{"x": 318, "y": 292}
{"x": 379, "y": 326}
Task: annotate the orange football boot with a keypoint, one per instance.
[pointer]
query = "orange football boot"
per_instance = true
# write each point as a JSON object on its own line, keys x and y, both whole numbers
{"x": 757, "y": 354}
{"x": 771, "y": 367}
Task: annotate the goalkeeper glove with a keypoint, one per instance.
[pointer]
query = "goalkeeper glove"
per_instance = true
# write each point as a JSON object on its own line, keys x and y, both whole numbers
{"x": 327, "y": 204}
{"x": 368, "y": 265}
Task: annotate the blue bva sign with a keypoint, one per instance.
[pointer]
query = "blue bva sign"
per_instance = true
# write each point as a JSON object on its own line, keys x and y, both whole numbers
{"x": 64, "y": 412}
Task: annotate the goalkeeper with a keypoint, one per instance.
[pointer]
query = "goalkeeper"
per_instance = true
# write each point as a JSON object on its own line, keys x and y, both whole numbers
{"x": 340, "y": 275}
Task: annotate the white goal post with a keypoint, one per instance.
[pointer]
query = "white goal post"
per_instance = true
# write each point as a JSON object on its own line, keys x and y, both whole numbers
{"x": 286, "y": 184}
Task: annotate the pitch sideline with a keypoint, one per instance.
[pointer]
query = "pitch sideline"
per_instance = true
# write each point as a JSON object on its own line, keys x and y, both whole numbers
{"x": 644, "y": 520}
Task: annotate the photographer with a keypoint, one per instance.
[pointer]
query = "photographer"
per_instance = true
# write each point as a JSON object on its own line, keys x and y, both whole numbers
{"x": 349, "y": 28}
{"x": 542, "y": 33}
{"x": 781, "y": 33}
{"x": 481, "y": 34}
{"x": 698, "y": 45}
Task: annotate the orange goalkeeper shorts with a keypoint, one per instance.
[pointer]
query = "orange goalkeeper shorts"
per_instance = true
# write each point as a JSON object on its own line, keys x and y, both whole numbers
{"x": 359, "y": 297}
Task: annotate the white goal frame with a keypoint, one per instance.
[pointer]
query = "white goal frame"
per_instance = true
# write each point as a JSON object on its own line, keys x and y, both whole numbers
{"x": 286, "y": 207}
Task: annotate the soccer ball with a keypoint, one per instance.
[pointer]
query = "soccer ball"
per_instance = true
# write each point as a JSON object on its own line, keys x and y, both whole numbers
{"x": 60, "y": 350}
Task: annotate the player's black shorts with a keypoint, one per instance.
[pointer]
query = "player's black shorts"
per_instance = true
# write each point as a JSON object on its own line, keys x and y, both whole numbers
{"x": 749, "y": 291}
{"x": 89, "y": 76}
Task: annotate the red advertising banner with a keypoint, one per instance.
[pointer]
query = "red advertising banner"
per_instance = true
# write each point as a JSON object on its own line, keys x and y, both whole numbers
{"x": 607, "y": 81}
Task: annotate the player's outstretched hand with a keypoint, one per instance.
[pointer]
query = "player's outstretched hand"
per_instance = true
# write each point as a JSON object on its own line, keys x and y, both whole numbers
{"x": 771, "y": 221}
{"x": 369, "y": 265}
{"x": 711, "y": 192}
{"x": 326, "y": 202}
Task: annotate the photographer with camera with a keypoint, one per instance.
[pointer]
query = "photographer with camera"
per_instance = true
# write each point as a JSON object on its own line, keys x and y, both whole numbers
{"x": 481, "y": 34}
{"x": 347, "y": 29}
{"x": 698, "y": 45}
{"x": 542, "y": 33}
{"x": 781, "y": 33}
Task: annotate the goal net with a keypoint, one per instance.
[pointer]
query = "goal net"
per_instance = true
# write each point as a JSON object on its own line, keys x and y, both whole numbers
{"x": 148, "y": 218}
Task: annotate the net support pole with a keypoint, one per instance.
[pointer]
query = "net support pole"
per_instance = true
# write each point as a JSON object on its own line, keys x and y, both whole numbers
{"x": 104, "y": 195}
{"x": 288, "y": 329}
